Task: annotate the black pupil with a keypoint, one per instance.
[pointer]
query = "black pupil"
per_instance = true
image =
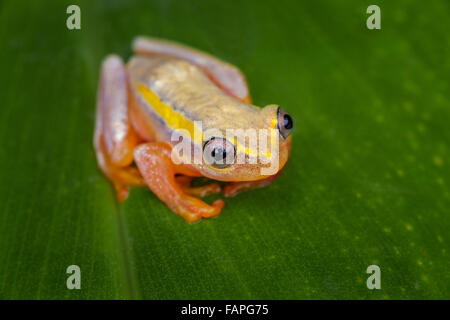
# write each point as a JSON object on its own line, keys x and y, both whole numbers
{"x": 287, "y": 122}
{"x": 219, "y": 151}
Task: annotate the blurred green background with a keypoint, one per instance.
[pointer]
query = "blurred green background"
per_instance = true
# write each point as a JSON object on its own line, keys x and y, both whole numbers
{"x": 367, "y": 182}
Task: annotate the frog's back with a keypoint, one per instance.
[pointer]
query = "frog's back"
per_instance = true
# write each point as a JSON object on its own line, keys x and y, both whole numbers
{"x": 175, "y": 91}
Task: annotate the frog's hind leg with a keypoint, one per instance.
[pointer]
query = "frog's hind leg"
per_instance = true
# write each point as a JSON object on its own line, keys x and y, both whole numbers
{"x": 154, "y": 162}
{"x": 114, "y": 138}
{"x": 226, "y": 76}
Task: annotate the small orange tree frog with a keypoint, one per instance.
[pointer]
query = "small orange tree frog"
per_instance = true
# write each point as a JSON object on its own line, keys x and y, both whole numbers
{"x": 168, "y": 88}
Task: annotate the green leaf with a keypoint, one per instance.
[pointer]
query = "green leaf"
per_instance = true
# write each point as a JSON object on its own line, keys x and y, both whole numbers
{"x": 367, "y": 182}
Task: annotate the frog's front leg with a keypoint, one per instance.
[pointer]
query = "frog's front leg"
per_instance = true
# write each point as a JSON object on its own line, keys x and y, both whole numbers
{"x": 114, "y": 138}
{"x": 199, "y": 192}
{"x": 234, "y": 188}
{"x": 154, "y": 162}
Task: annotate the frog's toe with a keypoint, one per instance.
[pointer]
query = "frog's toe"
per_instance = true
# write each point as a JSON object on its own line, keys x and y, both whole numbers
{"x": 212, "y": 188}
{"x": 192, "y": 209}
{"x": 185, "y": 183}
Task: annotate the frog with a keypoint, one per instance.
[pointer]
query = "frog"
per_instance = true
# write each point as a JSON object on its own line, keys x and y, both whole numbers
{"x": 167, "y": 88}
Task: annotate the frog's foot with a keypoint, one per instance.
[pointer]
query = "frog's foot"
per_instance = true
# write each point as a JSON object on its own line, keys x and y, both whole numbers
{"x": 155, "y": 164}
{"x": 199, "y": 192}
{"x": 114, "y": 138}
{"x": 234, "y": 188}
{"x": 193, "y": 209}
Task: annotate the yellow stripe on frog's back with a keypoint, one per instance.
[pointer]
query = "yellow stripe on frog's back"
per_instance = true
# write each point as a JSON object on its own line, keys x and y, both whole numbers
{"x": 174, "y": 120}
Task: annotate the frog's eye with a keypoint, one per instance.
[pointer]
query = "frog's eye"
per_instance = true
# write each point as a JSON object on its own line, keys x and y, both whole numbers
{"x": 285, "y": 123}
{"x": 219, "y": 153}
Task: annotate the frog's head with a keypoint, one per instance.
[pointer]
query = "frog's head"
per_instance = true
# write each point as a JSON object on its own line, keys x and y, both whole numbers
{"x": 254, "y": 152}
